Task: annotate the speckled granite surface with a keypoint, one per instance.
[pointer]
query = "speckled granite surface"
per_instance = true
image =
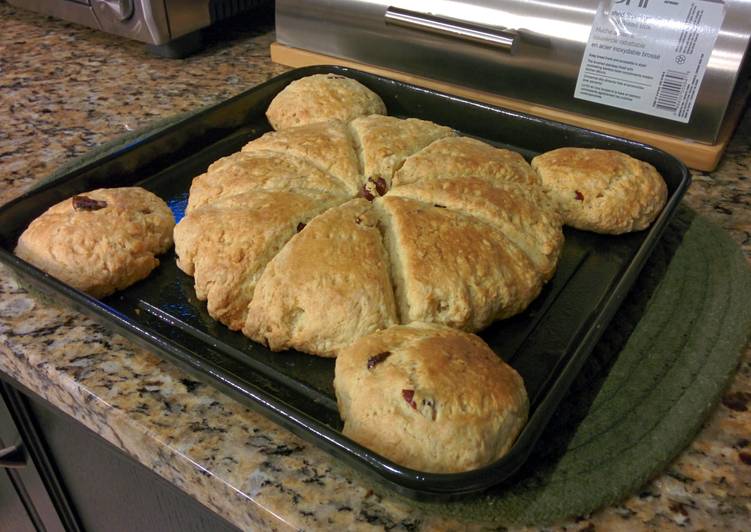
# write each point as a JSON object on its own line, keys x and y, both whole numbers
{"x": 65, "y": 89}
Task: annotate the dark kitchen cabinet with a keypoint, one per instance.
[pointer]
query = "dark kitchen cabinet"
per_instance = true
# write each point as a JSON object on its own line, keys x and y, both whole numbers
{"x": 26, "y": 501}
{"x": 13, "y": 513}
{"x": 71, "y": 479}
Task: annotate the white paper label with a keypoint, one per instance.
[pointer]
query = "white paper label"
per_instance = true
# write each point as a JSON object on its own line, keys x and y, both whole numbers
{"x": 649, "y": 56}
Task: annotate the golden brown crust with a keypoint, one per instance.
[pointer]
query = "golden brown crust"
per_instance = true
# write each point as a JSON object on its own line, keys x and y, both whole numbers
{"x": 227, "y": 244}
{"x": 320, "y": 98}
{"x": 521, "y": 212}
{"x": 326, "y": 145}
{"x": 104, "y": 250}
{"x": 384, "y": 142}
{"x": 453, "y": 269}
{"x": 327, "y": 287}
{"x": 465, "y": 157}
{"x": 603, "y": 191}
{"x": 430, "y": 398}
{"x": 259, "y": 170}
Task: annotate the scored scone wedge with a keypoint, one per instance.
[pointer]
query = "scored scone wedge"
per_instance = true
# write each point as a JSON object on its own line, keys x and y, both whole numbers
{"x": 322, "y": 97}
{"x": 326, "y": 145}
{"x": 259, "y": 170}
{"x": 329, "y": 285}
{"x": 430, "y": 398}
{"x": 454, "y": 269}
{"x": 523, "y": 213}
{"x": 384, "y": 142}
{"x": 452, "y": 157}
{"x": 603, "y": 191}
{"x": 226, "y": 245}
{"x": 100, "y": 241}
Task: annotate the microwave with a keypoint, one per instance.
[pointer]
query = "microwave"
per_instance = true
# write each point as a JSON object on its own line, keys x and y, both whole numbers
{"x": 170, "y": 28}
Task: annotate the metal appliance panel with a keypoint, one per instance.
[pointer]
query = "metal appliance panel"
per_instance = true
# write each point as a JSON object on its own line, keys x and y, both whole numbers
{"x": 541, "y": 67}
{"x": 155, "y": 22}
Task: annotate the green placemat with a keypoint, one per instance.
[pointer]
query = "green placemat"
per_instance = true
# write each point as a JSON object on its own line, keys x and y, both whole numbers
{"x": 645, "y": 391}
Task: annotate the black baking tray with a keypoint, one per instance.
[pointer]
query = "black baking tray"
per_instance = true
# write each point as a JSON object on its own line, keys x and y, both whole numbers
{"x": 547, "y": 344}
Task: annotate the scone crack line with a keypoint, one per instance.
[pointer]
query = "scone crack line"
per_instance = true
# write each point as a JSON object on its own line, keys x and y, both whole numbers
{"x": 327, "y": 146}
{"x": 326, "y": 169}
{"x": 224, "y": 241}
{"x": 357, "y": 145}
{"x": 395, "y": 265}
{"x": 333, "y": 260}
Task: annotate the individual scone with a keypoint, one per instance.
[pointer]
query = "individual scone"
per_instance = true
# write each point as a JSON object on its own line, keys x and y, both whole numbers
{"x": 320, "y": 98}
{"x": 260, "y": 170}
{"x": 430, "y": 398}
{"x": 523, "y": 213}
{"x": 100, "y": 241}
{"x": 603, "y": 191}
{"x": 384, "y": 142}
{"x": 454, "y": 269}
{"x": 226, "y": 244}
{"x": 327, "y": 145}
{"x": 452, "y": 157}
{"x": 327, "y": 287}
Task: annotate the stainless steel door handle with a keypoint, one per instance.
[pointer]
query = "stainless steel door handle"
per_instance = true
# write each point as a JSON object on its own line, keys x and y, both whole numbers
{"x": 503, "y": 39}
{"x": 13, "y": 456}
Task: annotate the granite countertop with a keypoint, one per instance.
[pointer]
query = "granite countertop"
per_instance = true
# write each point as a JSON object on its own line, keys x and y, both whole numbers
{"x": 66, "y": 89}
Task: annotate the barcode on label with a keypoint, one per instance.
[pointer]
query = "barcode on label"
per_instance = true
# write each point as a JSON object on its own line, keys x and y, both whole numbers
{"x": 669, "y": 91}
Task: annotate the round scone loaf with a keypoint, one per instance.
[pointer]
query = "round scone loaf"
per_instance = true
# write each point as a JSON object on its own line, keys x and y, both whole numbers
{"x": 320, "y": 98}
{"x": 280, "y": 249}
{"x": 603, "y": 191}
{"x": 100, "y": 241}
{"x": 430, "y": 398}
{"x": 446, "y": 229}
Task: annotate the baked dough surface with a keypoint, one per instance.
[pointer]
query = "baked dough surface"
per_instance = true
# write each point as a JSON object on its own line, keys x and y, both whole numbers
{"x": 523, "y": 213}
{"x": 102, "y": 243}
{"x": 603, "y": 191}
{"x": 260, "y": 170}
{"x": 327, "y": 146}
{"x": 327, "y": 287}
{"x": 430, "y": 398}
{"x": 384, "y": 142}
{"x": 225, "y": 245}
{"x": 320, "y": 98}
{"x": 454, "y": 269}
{"x": 452, "y": 157}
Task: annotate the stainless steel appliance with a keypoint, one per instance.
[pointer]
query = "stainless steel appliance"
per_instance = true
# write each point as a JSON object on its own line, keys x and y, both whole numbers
{"x": 529, "y": 50}
{"x": 170, "y": 27}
